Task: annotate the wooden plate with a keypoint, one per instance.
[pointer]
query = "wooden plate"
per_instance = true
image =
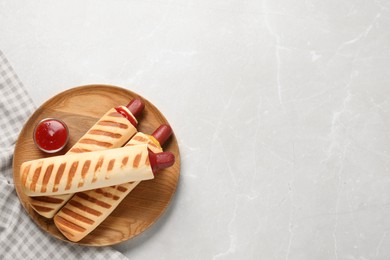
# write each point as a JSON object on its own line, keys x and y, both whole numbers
{"x": 80, "y": 108}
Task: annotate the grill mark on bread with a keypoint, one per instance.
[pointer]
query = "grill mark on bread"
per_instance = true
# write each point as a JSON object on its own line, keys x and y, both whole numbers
{"x": 124, "y": 161}
{"x": 66, "y": 223}
{"x": 110, "y": 165}
{"x": 115, "y": 114}
{"x": 106, "y": 194}
{"x": 59, "y": 174}
{"x": 140, "y": 139}
{"x": 111, "y": 187}
{"x": 97, "y": 167}
{"x": 46, "y": 177}
{"x": 35, "y": 178}
{"x": 121, "y": 188}
{"x": 79, "y": 150}
{"x": 95, "y": 142}
{"x": 93, "y": 200}
{"x": 136, "y": 160}
{"x": 105, "y": 133}
{"x": 72, "y": 172}
{"x": 113, "y": 124}
{"x": 25, "y": 174}
{"x": 41, "y": 208}
{"x": 77, "y": 216}
{"x": 82, "y": 207}
{"x": 48, "y": 199}
{"x": 66, "y": 233}
{"x": 84, "y": 171}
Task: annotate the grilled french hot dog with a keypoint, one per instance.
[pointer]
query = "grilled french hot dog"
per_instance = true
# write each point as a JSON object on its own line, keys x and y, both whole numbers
{"x": 86, "y": 210}
{"x": 73, "y": 173}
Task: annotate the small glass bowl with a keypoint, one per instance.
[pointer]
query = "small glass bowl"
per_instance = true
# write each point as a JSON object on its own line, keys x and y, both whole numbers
{"x": 51, "y": 135}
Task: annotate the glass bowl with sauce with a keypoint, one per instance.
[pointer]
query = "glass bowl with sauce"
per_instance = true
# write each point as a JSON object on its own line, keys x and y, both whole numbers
{"x": 51, "y": 135}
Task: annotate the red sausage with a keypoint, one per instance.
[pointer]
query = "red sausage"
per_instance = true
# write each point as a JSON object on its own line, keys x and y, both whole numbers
{"x": 159, "y": 161}
{"x": 162, "y": 133}
{"x": 136, "y": 106}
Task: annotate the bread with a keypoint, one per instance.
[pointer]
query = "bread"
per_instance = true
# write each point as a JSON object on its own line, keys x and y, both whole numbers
{"x": 112, "y": 130}
{"x": 73, "y": 173}
{"x": 87, "y": 209}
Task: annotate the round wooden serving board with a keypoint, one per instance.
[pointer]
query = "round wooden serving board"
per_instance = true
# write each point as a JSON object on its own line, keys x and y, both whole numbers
{"x": 80, "y": 108}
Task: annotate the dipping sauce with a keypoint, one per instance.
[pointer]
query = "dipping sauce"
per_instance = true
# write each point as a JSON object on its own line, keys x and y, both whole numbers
{"x": 51, "y": 135}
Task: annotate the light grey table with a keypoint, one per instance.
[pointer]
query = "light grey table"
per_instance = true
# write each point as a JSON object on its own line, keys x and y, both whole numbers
{"x": 281, "y": 110}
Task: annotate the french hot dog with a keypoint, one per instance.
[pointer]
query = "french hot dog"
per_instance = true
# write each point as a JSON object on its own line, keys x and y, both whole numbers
{"x": 87, "y": 209}
{"x": 112, "y": 130}
{"x": 73, "y": 173}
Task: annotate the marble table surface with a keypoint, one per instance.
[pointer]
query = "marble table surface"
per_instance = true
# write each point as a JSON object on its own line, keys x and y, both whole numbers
{"x": 281, "y": 109}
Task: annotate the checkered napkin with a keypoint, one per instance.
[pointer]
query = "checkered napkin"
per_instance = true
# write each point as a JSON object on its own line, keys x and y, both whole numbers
{"x": 20, "y": 237}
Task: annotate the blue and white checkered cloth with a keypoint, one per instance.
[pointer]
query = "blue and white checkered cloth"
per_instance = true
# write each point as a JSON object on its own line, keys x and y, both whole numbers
{"x": 20, "y": 237}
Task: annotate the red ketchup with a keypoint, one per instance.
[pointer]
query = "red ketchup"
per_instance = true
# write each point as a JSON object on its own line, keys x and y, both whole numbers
{"x": 51, "y": 135}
